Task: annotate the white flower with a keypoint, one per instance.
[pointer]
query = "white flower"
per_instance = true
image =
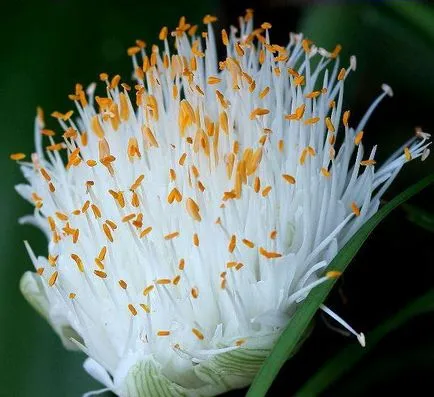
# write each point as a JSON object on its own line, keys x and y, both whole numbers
{"x": 197, "y": 208}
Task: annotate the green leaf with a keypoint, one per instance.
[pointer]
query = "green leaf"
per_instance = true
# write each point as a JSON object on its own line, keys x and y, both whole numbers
{"x": 420, "y": 217}
{"x": 352, "y": 354}
{"x": 419, "y": 15}
{"x": 307, "y": 309}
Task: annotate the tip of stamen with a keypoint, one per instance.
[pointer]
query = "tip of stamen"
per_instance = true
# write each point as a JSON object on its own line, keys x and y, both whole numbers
{"x": 361, "y": 338}
{"x": 425, "y": 154}
{"x": 353, "y": 62}
{"x": 387, "y": 89}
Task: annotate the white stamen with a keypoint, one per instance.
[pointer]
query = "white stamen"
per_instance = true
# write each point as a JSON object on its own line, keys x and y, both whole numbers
{"x": 360, "y": 336}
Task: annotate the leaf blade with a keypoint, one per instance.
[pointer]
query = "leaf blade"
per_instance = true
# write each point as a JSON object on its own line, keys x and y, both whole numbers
{"x": 305, "y": 313}
{"x": 352, "y": 354}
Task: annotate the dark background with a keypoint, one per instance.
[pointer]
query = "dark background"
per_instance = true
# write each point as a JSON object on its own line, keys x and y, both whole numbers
{"x": 48, "y": 46}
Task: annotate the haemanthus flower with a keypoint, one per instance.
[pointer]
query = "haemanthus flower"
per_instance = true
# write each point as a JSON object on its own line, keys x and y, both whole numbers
{"x": 197, "y": 208}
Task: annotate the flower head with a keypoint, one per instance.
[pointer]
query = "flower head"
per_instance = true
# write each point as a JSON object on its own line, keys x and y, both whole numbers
{"x": 196, "y": 209}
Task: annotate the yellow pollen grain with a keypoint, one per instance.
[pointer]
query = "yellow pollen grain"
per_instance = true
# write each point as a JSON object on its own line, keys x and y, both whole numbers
{"x": 345, "y": 118}
{"x": 196, "y": 240}
{"x": 368, "y": 162}
{"x": 329, "y": 124}
{"x": 341, "y": 74}
{"x": 325, "y": 172}
{"x": 99, "y": 263}
{"x": 96, "y": 211}
{"x": 45, "y": 175}
{"x": 248, "y": 243}
{"x": 269, "y": 254}
{"x": 333, "y": 274}
{"x": 194, "y": 292}
{"x": 163, "y": 33}
{"x": 47, "y": 132}
{"x": 146, "y": 231}
{"x": 313, "y": 94}
{"x": 224, "y": 122}
{"x": 182, "y": 159}
{"x": 128, "y": 217}
{"x": 232, "y": 243}
{"x": 51, "y": 223}
{"x": 264, "y": 92}
{"x": 209, "y": 19}
{"x": 145, "y": 307}
{"x": 176, "y": 280}
{"x": 336, "y": 51}
{"x": 132, "y": 309}
{"x": 273, "y": 234}
{"x": 299, "y": 80}
{"x": 72, "y": 295}
{"x": 200, "y": 186}
{"x": 303, "y": 156}
{"x": 197, "y": 333}
{"x": 288, "y": 178}
{"x": 111, "y": 224}
{"x": 355, "y": 209}
{"x": 123, "y": 284}
{"x": 78, "y": 262}
{"x": 193, "y": 209}
{"x": 102, "y": 253}
{"x": 171, "y": 236}
{"x": 230, "y": 265}
{"x": 225, "y": 38}
{"x": 84, "y": 138}
{"x": 257, "y": 184}
{"x": 174, "y": 195}
{"x": 137, "y": 182}
{"x": 115, "y": 81}
{"x": 133, "y": 50}
{"x": 239, "y": 50}
{"x": 163, "y": 281}
{"x": 163, "y": 333}
{"x": 258, "y": 112}
{"x": 91, "y": 163}
{"x": 107, "y": 232}
{"x": 124, "y": 109}
{"x": 62, "y": 216}
{"x": 53, "y": 279}
{"x": 40, "y": 270}
{"x": 407, "y": 154}
{"x": 52, "y": 259}
{"x": 358, "y": 138}
{"x": 172, "y": 174}
{"x": 100, "y": 273}
{"x": 311, "y": 120}
{"x": 55, "y": 147}
{"x": 135, "y": 200}
{"x": 213, "y": 80}
{"x": 75, "y": 236}
{"x": 266, "y": 191}
{"x": 181, "y": 264}
{"x": 96, "y": 127}
{"x": 311, "y": 151}
{"x": 240, "y": 342}
{"x": 148, "y": 289}
{"x": 280, "y": 145}
{"x": 149, "y": 136}
{"x": 17, "y": 156}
